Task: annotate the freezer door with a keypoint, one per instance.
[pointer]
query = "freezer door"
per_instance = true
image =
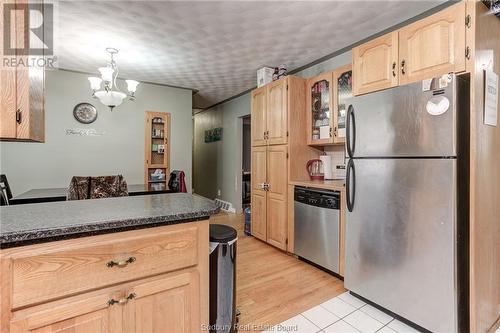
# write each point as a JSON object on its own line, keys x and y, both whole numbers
{"x": 397, "y": 122}
{"x": 400, "y": 238}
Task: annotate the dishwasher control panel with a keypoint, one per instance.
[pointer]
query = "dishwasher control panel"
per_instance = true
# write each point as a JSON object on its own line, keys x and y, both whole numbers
{"x": 318, "y": 197}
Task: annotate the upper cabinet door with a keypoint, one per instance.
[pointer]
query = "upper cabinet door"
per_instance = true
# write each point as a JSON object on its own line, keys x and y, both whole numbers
{"x": 342, "y": 91}
{"x": 319, "y": 107}
{"x": 375, "y": 64}
{"x": 277, "y": 112}
{"x": 258, "y": 116}
{"x": 433, "y": 46}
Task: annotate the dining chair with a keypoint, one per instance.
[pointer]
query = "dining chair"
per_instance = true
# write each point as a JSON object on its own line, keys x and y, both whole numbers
{"x": 81, "y": 188}
{"x": 5, "y": 192}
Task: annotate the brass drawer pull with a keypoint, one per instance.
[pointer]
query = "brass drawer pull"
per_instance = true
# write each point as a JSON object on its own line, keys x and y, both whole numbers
{"x": 121, "y": 263}
{"x": 122, "y": 301}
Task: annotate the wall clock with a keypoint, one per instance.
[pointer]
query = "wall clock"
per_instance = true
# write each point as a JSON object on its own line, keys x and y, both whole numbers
{"x": 85, "y": 113}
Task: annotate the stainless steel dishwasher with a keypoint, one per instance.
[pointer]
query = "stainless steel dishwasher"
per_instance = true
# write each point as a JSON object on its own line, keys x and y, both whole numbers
{"x": 317, "y": 222}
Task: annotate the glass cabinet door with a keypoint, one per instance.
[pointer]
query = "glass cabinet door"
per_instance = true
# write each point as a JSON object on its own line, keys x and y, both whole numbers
{"x": 343, "y": 92}
{"x": 320, "y": 108}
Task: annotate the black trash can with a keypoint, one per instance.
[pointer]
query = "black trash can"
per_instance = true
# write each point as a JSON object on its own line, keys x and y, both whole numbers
{"x": 222, "y": 279}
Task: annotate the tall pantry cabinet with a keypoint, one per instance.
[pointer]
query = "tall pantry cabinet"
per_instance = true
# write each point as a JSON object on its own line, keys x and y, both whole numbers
{"x": 277, "y": 118}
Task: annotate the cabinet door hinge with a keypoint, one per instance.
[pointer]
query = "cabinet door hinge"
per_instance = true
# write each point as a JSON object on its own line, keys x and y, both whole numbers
{"x": 286, "y": 241}
{"x": 467, "y": 53}
{"x": 287, "y": 134}
{"x": 287, "y": 87}
{"x": 286, "y": 155}
{"x": 468, "y": 21}
{"x": 18, "y": 116}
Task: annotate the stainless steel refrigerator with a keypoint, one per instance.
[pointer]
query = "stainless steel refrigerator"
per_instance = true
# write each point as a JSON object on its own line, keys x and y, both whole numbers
{"x": 407, "y": 197}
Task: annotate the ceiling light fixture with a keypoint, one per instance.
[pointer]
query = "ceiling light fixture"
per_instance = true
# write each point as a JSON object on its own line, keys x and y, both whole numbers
{"x": 108, "y": 96}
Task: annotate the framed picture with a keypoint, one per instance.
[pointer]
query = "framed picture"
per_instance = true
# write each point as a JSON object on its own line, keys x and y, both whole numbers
{"x": 213, "y": 135}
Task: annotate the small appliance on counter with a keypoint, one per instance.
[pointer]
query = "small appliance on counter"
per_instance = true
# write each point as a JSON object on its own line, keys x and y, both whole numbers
{"x": 315, "y": 169}
{"x": 326, "y": 160}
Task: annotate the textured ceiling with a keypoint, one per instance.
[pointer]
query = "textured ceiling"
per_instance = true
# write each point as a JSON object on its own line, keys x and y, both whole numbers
{"x": 215, "y": 47}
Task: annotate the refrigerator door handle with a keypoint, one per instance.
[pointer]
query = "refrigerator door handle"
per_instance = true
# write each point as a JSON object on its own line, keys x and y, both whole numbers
{"x": 351, "y": 131}
{"x": 350, "y": 185}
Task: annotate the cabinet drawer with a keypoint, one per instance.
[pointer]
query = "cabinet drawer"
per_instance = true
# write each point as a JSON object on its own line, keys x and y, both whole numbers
{"x": 58, "y": 269}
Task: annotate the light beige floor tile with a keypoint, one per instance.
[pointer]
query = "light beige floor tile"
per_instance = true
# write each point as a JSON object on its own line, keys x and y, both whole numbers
{"x": 320, "y": 316}
{"x": 340, "y": 327}
{"x": 338, "y": 307}
{"x": 363, "y": 322}
{"x": 300, "y": 324}
{"x": 375, "y": 313}
{"x": 354, "y": 301}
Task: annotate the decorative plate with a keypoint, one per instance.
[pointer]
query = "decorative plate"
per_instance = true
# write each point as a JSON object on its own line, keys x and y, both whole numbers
{"x": 85, "y": 113}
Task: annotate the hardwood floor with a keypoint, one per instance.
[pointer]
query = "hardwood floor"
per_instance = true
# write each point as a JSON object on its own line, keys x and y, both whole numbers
{"x": 273, "y": 286}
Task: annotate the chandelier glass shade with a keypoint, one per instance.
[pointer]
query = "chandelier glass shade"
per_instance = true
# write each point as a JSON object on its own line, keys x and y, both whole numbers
{"x": 109, "y": 96}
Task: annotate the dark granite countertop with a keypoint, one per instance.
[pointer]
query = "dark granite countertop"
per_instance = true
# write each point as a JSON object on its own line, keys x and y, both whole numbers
{"x": 43, "y": 222}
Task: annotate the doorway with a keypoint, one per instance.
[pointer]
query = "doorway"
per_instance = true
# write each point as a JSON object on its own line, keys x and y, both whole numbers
{"x": 246, "y": 162}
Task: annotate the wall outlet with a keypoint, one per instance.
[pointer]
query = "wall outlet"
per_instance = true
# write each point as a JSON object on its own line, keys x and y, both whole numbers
{"x": 218, "y": 193}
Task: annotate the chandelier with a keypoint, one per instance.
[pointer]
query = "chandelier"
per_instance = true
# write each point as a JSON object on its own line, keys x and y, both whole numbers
{"x": 107, "y": 96}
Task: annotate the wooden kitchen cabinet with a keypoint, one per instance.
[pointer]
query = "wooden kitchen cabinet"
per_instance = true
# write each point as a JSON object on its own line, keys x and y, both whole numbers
{"x": 325, "y": 105}
{"x": 279, "y": 152}
{"x": 169, "y": 303}
{"x": 276, "y": 114}
{"x": 269, "y": 194}
{"x": 433, "y": 46}
{"x": 375, "y": 64}
{"x": 258, "y": 116}
{"x": 258, "y": 192}
{"x": 276, "y": 212}
{"x": 342, "y": 91}
{"x": 428, "y": 48}
{"x": 90, "y": 313}
{"x": 319, "y": 108}
{"x": 269, "y": 110}
{"x": 22, "y": 97}
{"x": 90, "y": 284}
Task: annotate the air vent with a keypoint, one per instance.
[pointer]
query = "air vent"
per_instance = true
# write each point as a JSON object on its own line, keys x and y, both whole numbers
{"x": 225, "y": 206}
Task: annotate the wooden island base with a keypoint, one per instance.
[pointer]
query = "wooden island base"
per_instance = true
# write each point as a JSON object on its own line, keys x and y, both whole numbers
{"x": 134, "y": 281}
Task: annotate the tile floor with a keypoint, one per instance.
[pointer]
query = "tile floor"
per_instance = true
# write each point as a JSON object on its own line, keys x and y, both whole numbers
{"x": 343, "y": 314}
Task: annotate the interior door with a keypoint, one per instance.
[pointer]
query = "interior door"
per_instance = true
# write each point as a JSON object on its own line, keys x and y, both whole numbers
{"x": 259, "y": 195}
{"x": 433, "y": 46}
{"x": 277, "y": 112}
{"x": 168, "y": 303}
{"x": 277, "y": 196}
{"x": 258, "y": 116}
{"x": 375, "y": 64}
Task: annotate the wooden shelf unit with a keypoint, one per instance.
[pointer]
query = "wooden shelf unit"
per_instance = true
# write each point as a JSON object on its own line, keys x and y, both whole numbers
{"x": 156, "y": 148}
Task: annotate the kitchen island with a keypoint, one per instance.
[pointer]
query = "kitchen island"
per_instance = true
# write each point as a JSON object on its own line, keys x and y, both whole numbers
{"x": 106, "y": 265}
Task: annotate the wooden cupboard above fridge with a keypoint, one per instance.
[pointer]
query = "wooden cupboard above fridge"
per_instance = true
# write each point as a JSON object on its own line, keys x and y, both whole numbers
{"x": 430, "y": 47}
{"x": 325, "y": 106}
